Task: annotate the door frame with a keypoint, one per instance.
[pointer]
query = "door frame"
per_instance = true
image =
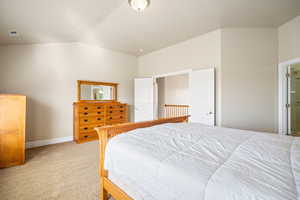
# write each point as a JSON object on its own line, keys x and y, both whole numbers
{"x": 155, "y": 77}
{"x": 188, "y": 72}
{"x": 173, "y": 73}
{"x": 282, "y": 95}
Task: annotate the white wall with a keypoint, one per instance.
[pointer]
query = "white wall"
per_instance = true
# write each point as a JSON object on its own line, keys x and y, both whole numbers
{"x": 199, "y": 52}
{"x": 289, "y": 40}
{"x": 177, "y": 89}
{"x": 249, "y": 79}
{"x": 47, "y": 74}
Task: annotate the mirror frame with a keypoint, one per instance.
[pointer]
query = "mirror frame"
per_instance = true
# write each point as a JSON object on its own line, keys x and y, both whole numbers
{"x": 81, "y": 82}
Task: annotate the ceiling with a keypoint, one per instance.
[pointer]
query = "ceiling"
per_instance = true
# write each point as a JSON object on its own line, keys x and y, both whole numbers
{"x": 113, "y": 24}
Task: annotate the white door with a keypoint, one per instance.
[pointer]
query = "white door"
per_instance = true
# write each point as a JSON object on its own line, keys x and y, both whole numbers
{"x": 202, "y": 96}
{"x": 143, "y": 99}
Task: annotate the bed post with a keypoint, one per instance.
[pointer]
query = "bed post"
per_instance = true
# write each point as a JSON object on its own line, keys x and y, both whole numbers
{"x": 103, "y": 138}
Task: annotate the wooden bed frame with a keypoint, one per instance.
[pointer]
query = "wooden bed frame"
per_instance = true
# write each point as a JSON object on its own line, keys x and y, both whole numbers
{"x": 107, "y": 132}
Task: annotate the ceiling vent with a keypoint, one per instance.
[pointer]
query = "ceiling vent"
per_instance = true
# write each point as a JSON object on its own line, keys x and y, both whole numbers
{"x": 13, "y": 33}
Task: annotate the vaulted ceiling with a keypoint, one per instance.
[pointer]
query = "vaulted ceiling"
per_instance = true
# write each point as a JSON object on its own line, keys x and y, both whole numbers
{"x": 113, "y": 24}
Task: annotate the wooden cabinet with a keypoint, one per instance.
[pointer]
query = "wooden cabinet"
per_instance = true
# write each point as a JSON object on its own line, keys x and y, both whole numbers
{"x": 12, "y": 129}
{"x": 88, "y": 115}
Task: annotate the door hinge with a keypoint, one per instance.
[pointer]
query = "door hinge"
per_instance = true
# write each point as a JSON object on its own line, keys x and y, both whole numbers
{"x": 287, "y": 105}
{"x": 288, "y": 75}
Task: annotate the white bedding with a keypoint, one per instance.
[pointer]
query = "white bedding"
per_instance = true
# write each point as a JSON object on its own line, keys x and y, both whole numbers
{"x": 196, "y": 162}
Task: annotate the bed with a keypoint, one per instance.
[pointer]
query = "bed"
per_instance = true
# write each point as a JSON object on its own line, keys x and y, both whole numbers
{"x": 169, "y": 159}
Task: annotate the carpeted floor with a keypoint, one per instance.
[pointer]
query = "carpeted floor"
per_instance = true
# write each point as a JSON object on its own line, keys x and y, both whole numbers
{"x": 65, "y": 171}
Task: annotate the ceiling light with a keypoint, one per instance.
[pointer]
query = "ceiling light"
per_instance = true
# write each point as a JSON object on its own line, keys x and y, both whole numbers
{"x": 139, "y": 5}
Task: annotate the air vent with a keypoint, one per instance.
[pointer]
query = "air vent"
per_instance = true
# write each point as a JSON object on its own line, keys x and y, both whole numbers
{"x": 13, "y": 33}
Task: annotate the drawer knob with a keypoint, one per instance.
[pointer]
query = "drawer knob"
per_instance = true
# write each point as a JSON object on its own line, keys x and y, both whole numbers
{"x": 86, "y": 120}
{"x": 121, "y": 106}
{"x": 85, "y": 128}
{"x": 110, "y": 118}
{"x": 85, "y": 108}
{"x": 121, "y": 117}
{"x": 85, "y": 136}
{"x": 99, "y": 112}
{"x": 110, "y": 111}
{"x": 99, "y": 119}
{"x": 110, "y": 107}
{"x": 98, "y": 107}
{"x": 85, "y": 113}
{"x": 121, "y": 110}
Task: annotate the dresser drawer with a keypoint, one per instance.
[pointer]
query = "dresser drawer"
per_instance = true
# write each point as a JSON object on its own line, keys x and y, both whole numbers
{"x": 115, "y": 117}
{"x": 92, "y": 113}
{"x": 90, "y": 108}
{"x": 117, "y": 107}
{"x": 116, "y": 111}
{"x": 88, "y": 136}
{"x": 91, "y": 120}
{"x": 89, "y": 128}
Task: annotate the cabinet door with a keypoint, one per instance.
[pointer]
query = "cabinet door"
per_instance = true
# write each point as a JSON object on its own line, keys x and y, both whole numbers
{"x": 12, "y": 130}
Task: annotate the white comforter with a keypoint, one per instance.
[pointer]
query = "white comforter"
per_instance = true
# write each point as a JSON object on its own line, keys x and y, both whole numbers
{"x": 195, "y": 162}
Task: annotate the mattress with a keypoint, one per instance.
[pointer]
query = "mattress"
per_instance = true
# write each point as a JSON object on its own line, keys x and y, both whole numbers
{"x": 190, "y": 161}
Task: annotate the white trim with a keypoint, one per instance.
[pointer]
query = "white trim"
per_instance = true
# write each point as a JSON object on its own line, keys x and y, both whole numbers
{"x": 282, "y": 95}
{"x": 173, "y": 73}
{"x": 39, "y": 143}
{"x": 187, "y": 71}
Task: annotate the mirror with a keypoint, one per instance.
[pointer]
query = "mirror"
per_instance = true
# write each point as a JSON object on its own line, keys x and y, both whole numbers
{"x": 96, "y": 91}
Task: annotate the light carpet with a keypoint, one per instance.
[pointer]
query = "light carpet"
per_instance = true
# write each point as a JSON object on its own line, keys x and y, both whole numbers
{"x": 65, "y": 171}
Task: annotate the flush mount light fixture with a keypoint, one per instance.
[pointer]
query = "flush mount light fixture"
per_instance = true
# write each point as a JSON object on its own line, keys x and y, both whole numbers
{"x": 139, "y": 5}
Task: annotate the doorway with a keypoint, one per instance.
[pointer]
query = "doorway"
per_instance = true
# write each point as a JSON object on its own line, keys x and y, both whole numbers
{"x": 172, "y": 96}
{"x": 189, "y": 92}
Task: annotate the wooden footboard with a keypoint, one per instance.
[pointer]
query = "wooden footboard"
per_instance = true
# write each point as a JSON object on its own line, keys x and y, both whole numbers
{"x": 107, "y": 132}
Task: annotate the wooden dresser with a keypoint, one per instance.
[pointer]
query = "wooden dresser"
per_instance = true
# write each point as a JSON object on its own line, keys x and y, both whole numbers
{"x": 88, "y": 115}
{"x": 12, "y": 129}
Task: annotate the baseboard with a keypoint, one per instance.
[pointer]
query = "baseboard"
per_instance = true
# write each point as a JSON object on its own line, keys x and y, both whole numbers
{"x": 39, "y": 143}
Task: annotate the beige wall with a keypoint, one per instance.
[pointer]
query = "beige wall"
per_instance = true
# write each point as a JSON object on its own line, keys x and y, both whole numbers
{"x": 289, "y": 40}
{"x": 249, "y": 79}
{"x": 245, "y": 59}
{"x": 199, "y": 52}
{"x": 177, "y": 89}
{"x": 47, "y": 74}
{"x": 246, "y": 62}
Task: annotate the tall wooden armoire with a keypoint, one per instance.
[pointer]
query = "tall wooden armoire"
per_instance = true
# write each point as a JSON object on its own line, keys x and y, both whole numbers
{"x": 12, "y": 129}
